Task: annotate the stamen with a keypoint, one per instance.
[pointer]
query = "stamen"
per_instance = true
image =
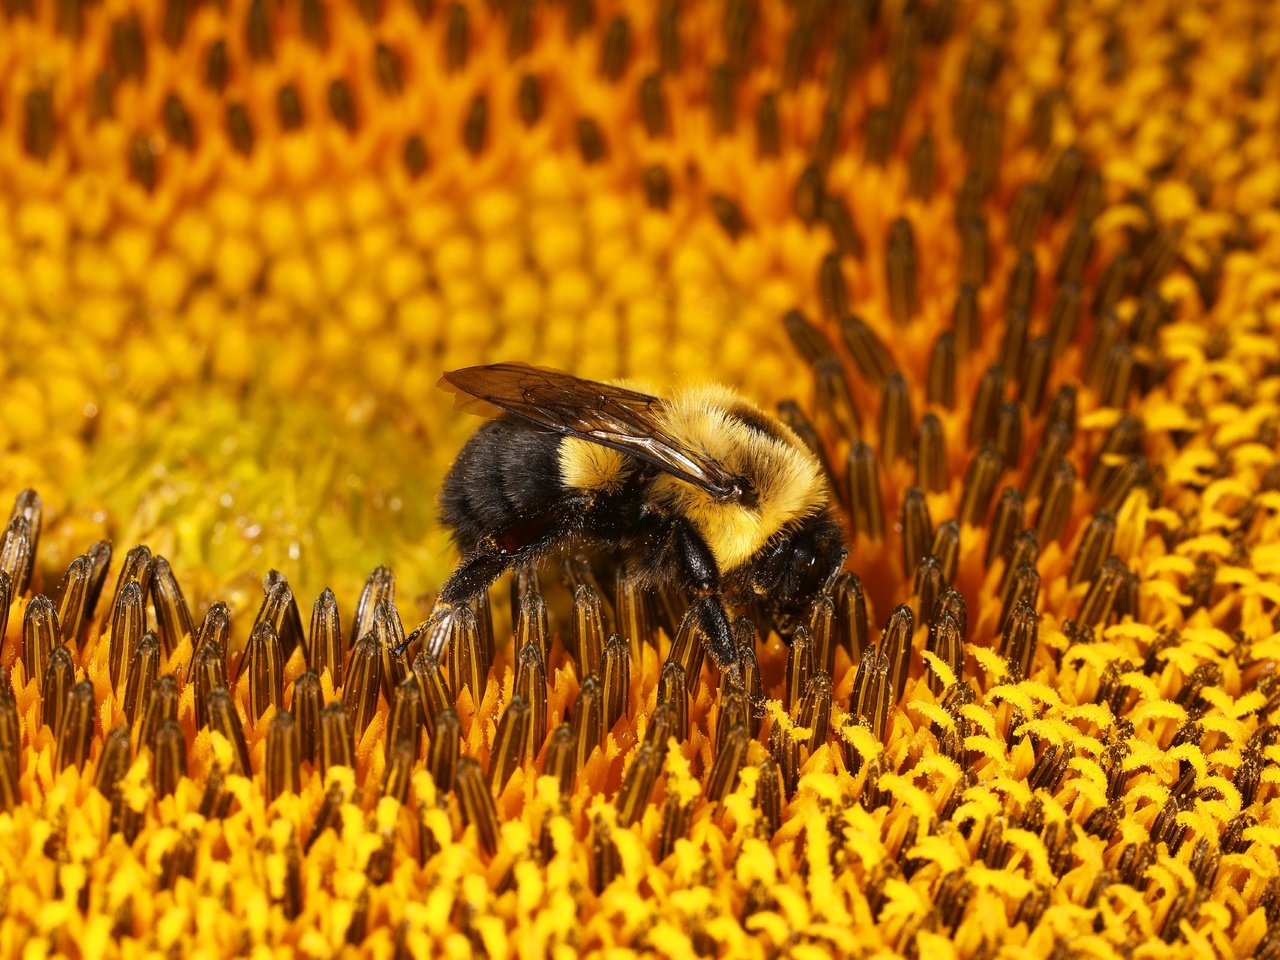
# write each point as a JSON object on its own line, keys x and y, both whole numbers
{"x": 113, "y": 762}
{"x": 941, "y": 385}
{"x": 721, "y": 94}
{"x": 531, "y": 683}
{"x": 728, "y": 215}
{"x": 1026, "y": 550}
{"x": 673, "y": 691}
{"x": 903, "y": 274}
{"x": 337, "y": 745}
{"x": 17, "y": 554}
{"x": 676, "y": 815}
{"x": 1053, "y": 446}
{"x": 280, "y": 609}
{"x": 616, "y": 50}
{"x": 475, "y": 127}
{"x": 1122, "y": 440}
{"x": 561, "y": 758}
{"x": 896, "y": 420}
{"x": 1021, "y": 635}
{"x": 588, "y": 719}
{"x": 6, "y": 600}
{"x": 1064, "y": 177}
{"x": 896, "y": 644}
{"x": 1111, "y": 287}
{"x": 477, "y": 804}
{"x": 508, "y": 742}
{"x": 617, "y": 681}
{"x": 946, "y": 642}
{"x": 364, "y": 680}
{"x": 161, "y": 705}
{"x": 1022, "y": 587}
{"x": 1100, "y": 600}
{"x": 974, "y": 258}
{"x": 591, "y": 143}
{"x": 283, "y": 757}
{"x": 170, "y": 757}
{"x": 833, "y": 402}
{"x": 467, "y": 667}
{"x": 768, "y": 799}
{"x": 662, "y": 724}
{"x": 657, "y": 187}
{"x": 128, "y": 621}
{"x": 822, "y": 634}
{"x": 306, "y": 707}
{"x": 966, "y": 322}
{"x": 142, "y": 676}
{"x": 433, "y": 692}
{"x": 1008, "y": 438}
{"x": 799, "y": 667}
{"x": 257, "y": 31}
{"x": 397, "y": 777}
{"x": 844, "y": 232}
{"x": 931, "y": 455}
{"x": 732, "y": 712}
{"x": 669, "y": 47}
{"x": 56, "y": 684}
{"x": 1095, "y": 545}
{"x": 606, "y": 864}
{"x": 38, "y": 128}
{"x": 789, "y": 412}
{"x": 729, "y": 759}
{"x": 265, "y": 665}
{"x": 76, "y": 733}
{"x": 851, "y": 612}
{"x": 210, "y": 672}
{"x": 215, "y": 802}
{"x": 637, "y": 785}
{"x": 815, "y": 709}
{"x": 986, "y": 405}
{"x": 214, "y": 630}
{"x": 809, "y": 342}
{"x": 1074, "y": 258}
{"x": 11, "y": 749}
{"x": 40, "y": 634}
{"x": 388, "y": 634}
{"x": 326, "y": 648}
{"x": 173, "y": 618}
{"x": 868, "y": 351}
{"x": 785, "y": 751}
{"x": 946, "y": 548}
{"x": 224, "y": 719}
{"x": 653, "y": 107}
{"x": 216, "y": 69}
{"x": 917, "y": 529}
{"x": 1055, "y": 508}
{"x": 768, "y": 126}
{"x": 444, "y": 749}
{"x": 457, "y": 38}
{"x": 1013, "y": 345}
{"x": 832, "y": 290}
{"x": 879, "y": 141}
{"x": 634, "y": 613}
{"x": 1025, "y": 213}
{"x": 588, "y": 629}
{"x": 1008, "y": 521}
{"x": 926, "y": 586}
{"x": 922, "y": 167}
{"x": 689, "y": 649}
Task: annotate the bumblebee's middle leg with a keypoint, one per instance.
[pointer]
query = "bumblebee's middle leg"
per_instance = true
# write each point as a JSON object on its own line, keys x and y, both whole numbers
{"x": 700, "y": 576}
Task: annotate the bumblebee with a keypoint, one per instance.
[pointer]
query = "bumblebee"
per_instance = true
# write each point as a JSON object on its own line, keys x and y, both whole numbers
{"x": 700, "y": 487}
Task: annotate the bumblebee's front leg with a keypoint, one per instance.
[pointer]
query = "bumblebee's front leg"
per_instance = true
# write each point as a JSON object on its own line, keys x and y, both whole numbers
{"x": 700, "y": 576}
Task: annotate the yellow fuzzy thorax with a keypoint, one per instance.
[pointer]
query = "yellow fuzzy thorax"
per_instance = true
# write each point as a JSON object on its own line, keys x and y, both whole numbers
{"x": 787, "y": 478}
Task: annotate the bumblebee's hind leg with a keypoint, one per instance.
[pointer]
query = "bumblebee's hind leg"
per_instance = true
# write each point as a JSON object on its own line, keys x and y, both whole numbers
{"x": 520, "y": 542}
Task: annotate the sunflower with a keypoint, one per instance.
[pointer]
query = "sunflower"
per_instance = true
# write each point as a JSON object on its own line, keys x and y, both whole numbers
{"x": 1008, "y": 268}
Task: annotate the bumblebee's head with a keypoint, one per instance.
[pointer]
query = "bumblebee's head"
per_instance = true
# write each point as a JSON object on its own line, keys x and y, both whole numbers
{"x": 796, "y": 569}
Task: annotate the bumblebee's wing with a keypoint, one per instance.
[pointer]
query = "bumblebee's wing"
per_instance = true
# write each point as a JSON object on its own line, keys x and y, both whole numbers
{"x": 610, "y": 416}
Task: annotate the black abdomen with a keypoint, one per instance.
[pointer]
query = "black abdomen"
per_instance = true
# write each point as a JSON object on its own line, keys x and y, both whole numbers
{"x": 506, "y": 471}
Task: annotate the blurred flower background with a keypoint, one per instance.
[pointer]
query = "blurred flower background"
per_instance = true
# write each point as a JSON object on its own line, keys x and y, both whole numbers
{"x": 1010, "y": 265}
